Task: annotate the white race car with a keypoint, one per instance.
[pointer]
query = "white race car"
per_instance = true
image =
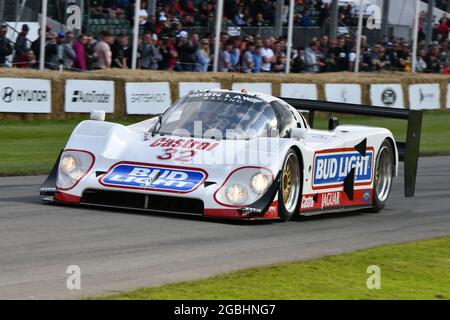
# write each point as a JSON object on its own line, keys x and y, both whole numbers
{"x": 237, "y": 155}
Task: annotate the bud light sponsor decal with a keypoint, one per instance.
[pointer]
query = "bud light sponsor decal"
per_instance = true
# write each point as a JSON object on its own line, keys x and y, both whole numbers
{"x": 153, "y": 177}
{"x": 331, "y": 168}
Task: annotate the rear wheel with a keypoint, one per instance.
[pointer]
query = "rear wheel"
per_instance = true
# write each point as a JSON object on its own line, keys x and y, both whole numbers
{"x": 384, "y": 173}
{"x": 290, "y": 187}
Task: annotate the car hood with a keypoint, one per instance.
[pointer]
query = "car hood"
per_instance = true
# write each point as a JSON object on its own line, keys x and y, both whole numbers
{"x": 113, "y": 143}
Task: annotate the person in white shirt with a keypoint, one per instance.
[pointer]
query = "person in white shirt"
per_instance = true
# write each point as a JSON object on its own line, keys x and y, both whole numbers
{"x": 143, "y": 14}
{"x": 267, "y": 56}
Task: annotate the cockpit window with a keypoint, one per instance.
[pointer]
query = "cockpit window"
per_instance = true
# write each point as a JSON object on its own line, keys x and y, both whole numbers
{"x": 222, "y": 115}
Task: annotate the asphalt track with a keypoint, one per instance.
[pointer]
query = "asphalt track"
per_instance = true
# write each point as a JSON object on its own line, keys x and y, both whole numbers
{"x": 118, "y": 250}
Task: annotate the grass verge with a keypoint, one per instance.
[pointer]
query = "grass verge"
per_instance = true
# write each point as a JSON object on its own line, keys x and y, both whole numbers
{"x": 31, "y": 147}
{"x": 416, "y": 270}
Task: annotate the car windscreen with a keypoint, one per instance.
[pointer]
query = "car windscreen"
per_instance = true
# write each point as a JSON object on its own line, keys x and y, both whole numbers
{"x": 222, "y": 115}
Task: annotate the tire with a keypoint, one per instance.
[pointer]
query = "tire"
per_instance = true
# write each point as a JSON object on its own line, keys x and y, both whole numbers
{"x": 384, "y": 173}
{"x": 289, "y": 191}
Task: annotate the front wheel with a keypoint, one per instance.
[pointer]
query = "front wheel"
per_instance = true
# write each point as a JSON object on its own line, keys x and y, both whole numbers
{"x": 290, "y": 187}
{"x": 384, "y": 172}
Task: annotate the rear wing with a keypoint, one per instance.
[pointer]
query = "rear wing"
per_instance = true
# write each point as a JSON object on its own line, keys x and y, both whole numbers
{"x": 408, "y": 151}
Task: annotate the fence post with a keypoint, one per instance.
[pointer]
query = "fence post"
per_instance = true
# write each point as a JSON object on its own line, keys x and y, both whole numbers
{"x": 43, "y": 35}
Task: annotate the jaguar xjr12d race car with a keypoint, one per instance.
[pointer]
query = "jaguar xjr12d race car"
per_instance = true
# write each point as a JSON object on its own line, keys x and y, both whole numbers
{"x": 238, "y": 155}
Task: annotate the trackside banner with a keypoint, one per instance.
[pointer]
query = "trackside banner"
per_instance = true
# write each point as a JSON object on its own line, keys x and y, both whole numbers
{"x": 25, "y": 95}
{"x": 387, "y": 95}
{"x": 147, "y": 97}
{"x": 424, "y": 96}
{"x": 343, "y": 92}
{"x": 306, "y": 91}
{"x": 85, "y": 95}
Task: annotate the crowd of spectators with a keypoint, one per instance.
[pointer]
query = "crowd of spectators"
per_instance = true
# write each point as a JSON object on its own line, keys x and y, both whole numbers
{"x": 166, "y": 43}
{"x": 239, "y": 13}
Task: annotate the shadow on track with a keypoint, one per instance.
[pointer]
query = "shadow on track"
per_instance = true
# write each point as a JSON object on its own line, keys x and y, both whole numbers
{"x": 177, "y": 216}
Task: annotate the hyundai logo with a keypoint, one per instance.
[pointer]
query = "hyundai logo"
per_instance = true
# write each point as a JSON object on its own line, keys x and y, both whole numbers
{"x": 7, "y": 94}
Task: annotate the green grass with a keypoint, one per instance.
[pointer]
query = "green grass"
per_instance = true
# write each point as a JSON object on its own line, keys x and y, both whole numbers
{"x": 417, "y": 270}
{"x": 31, "y": 147}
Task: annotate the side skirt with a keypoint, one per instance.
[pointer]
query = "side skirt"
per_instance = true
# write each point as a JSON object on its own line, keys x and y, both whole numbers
{"x": 334, "y": 210}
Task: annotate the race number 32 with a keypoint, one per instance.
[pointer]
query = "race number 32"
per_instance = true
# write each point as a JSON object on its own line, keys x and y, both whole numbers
{"x": 177, "y": 155}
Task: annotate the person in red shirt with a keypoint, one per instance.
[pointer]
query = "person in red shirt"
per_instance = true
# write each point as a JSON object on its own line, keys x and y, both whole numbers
{"x": 27, "y": 60}
{"x": 79, "y": 47}
{"x": 443, "y": 28}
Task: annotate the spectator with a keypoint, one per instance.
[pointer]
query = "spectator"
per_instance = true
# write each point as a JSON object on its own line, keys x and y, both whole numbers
{"x": 304, "y": 20}
{"x": 247, "y": 63}
{"x": 404, "y": 57}
{"x": 324, "y": 44}
{"x": 260, "y": 21}
{"x": 225, "y": 59}
{"x": 341, "y": 55}
{"x": 257, "y": 59}
{"x": 434, "y": 59}
{"x": 169, "y": 53}
{"x": 235, "y": 54}
{"x": 421, "y": 65}
{"x": 27, "y": 60}
{"x": 36, "y": 45}
{"x": 70, "y": 37}
{"x": 150, "y": 55}
{"x": 390, "y": 53}
{"x": 143, "y": 14}
{"x": 203, "y": 56}
{"x": 6, "y": 48}
{"x": 51, "y": 52}
{"x": 79, "y": 47}
{"x": 103, "y": 51}
{"x": 444, "y": 28}
{"x": 311, "y": 62}
{"x": 299, "y": 62}
{"x": 151, "y": 24}
{"x": 119, "y": 51}
{"x": 378, "y": 60}
{"x": 279, "y": 64}
{"x": 65, "y": 52}
{"x": 21, "y": 45}
{"x": 268, "y": 56}
{"x": 329, "y": 58}
{"x": 187, "y": 52}
{"x": 91, "y": 56}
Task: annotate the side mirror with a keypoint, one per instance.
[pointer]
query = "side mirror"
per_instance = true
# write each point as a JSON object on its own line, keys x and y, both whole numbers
{"x": 298, "y": 133}
{"x": 98, "y": 115}
{"x": 333, "y": 122}
{"x": 156, "y": 125}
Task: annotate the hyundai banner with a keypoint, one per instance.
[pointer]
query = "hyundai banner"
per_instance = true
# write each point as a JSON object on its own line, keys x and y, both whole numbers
{"x": 25, "y": 95}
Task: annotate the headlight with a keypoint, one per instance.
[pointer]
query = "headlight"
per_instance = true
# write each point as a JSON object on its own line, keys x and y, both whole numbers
{"x": 259, "y": 183}
{"x": 68, "y": 164}
{"x": 236, "y": 194}
{"x": 243, "y": 186}
{"x": 73, "y": 166}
